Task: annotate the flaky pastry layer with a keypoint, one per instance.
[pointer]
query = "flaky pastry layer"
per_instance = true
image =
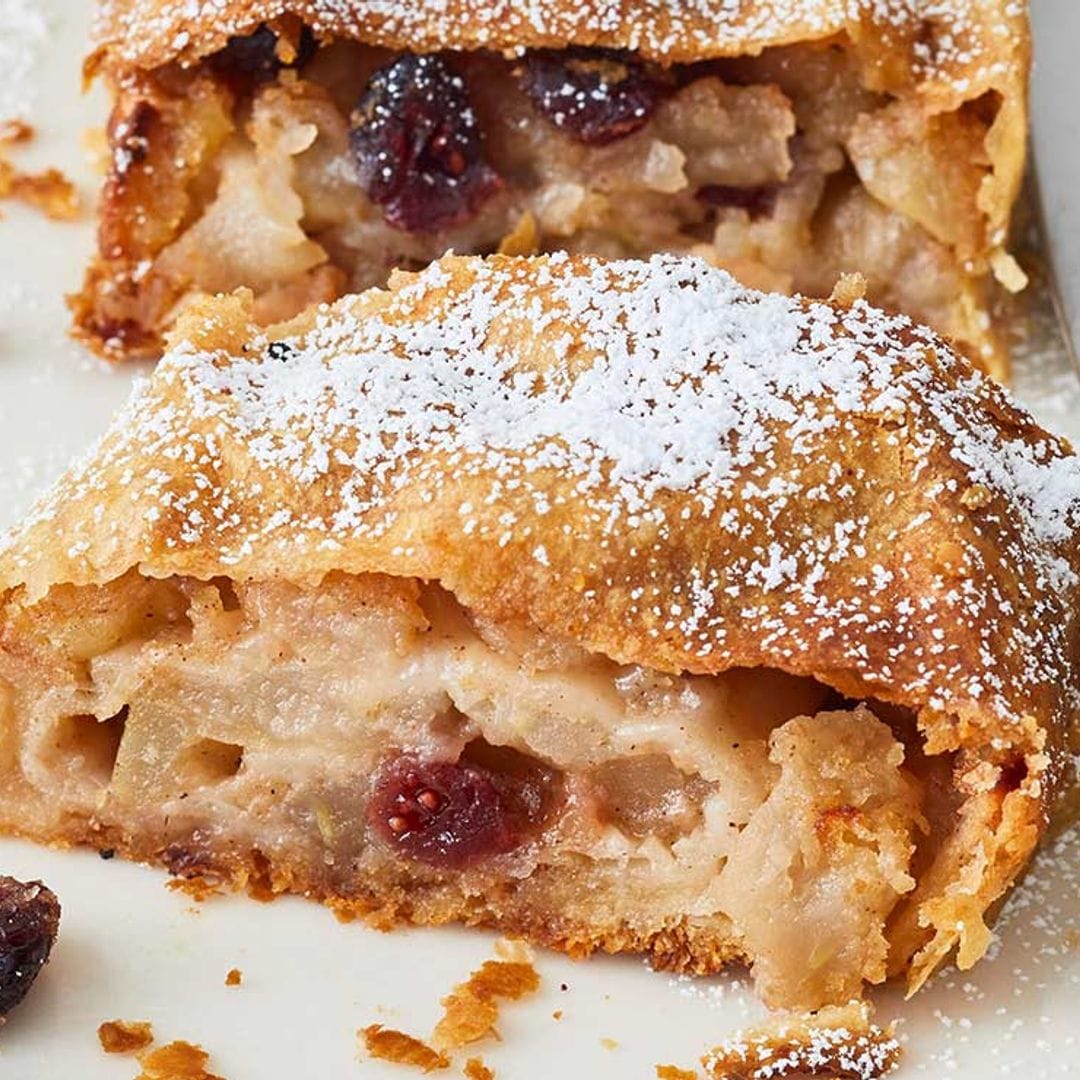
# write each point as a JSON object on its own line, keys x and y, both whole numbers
{"x": 642, "y": 461}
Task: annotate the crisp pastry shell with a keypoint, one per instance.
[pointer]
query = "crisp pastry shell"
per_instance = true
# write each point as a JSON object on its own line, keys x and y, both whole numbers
{"x": 941, "y": 595}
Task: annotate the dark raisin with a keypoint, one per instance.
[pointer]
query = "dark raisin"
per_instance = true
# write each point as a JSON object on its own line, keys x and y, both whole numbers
{"x": 453, "y": 814}
{"x": 255, "y": 55}
{"x": 758, "y": 202}
{"x": 418, "y": 146}
{"x": 594, "y": 95}
{"x": 29, "y": 919}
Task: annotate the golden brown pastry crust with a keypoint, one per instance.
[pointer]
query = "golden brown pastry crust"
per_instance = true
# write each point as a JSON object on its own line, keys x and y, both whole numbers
{"x": 949, "y": 52}
{"x": 933, "y": 58}
{"x": 878, "y": 516}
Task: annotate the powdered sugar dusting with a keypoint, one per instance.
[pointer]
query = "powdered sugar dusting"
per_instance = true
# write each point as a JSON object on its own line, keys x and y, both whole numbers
{"x": 23, "y": 33}
{"x": 666, "y": 394}
{"x": 956, "y": 41}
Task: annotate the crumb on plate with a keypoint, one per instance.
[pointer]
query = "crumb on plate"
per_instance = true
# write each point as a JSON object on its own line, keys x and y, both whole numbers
{"x": 176, "y": 1061}
{"x": 471, "y": 1009}
{"x": 386, "y": 1044}
{"x": 475, "y": 1069}
{"x": 838, "y": 1042}
{"x": 234, "y": 977}
{"x": 50, "y": 191}
{"x": 15, "y": 131}
{"x": 124, "y": 1036}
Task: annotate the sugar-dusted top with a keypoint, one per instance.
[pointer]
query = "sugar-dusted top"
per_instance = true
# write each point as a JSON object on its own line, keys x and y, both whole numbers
{"x": 965, "y": 45}
{"x": 642, "y": 456}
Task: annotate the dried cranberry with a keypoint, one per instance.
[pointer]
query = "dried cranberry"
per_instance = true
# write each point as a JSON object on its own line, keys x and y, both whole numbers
{"x": 255, "y": 55}
{"x": 453, "y": 814}
{"x": 418, "y": 146}
{"x": 29, "y": 919}
{"x": 595, "y": 95}
{"x": 758, "y": 202}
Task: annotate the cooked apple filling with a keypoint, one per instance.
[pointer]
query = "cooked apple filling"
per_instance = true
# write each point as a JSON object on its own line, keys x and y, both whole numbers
{"x": 370, "y": 731}
{"x": 312, "y": 176}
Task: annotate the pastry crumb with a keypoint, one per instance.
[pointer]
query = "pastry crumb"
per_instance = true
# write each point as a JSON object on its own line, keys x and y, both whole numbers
{"x": 50, "y": 191}
{"x": 15, "y": 131}
{"x": 557, "y": 1014}
{"x": 234, "y": 977}
{"x": 469, "y": 1014}
{"x": 848, "y": 290}
{"x": 840, "y": 1043}
{"x": 176, "y": 1061}
{"x": 513, "y": 950}
{"x": 609, "y": 1044}
{"x": 470, "y": 1008}
{"x": 386, "y": 1044}
{"x": 198, "y": 888}
{"x": 475, "y": 1069}
{"x": 673, "y": 1072}
{"x": 510, "y": 979}
{"x": 466, "y": 1019}
{"x": 124, "y": 1036}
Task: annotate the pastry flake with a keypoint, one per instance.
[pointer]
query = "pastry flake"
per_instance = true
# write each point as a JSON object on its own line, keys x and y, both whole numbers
{"x": 840, "y": 1043}
{"x": 125, "y": 1036}
{"x": 386, "y": 1044}
{"x": 608, "y": 603}
{"x": 305, "y": 150}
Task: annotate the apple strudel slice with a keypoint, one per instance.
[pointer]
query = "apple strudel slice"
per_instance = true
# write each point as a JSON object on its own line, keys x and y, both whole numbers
{"x": 303, "y": 149}
{"x": 608, "y": 603}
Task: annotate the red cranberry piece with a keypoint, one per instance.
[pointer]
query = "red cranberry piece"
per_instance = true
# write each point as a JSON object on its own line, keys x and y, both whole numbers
{"x": 255, "y": 55}
{"x": 594, "y": 95}
{"x": 758, "y": 202}
{"x": 453, "y": 814}
{"x": 418, "y": 146}
{"x": 29, "y": 920}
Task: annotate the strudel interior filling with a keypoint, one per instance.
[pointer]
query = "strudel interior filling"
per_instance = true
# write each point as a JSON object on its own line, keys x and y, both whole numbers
{"x": 305, "y": 171}
{"x": 371, "y": 730}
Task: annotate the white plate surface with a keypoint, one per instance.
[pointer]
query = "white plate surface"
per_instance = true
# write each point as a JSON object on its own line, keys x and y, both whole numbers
{"x": 130, "y": 948}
